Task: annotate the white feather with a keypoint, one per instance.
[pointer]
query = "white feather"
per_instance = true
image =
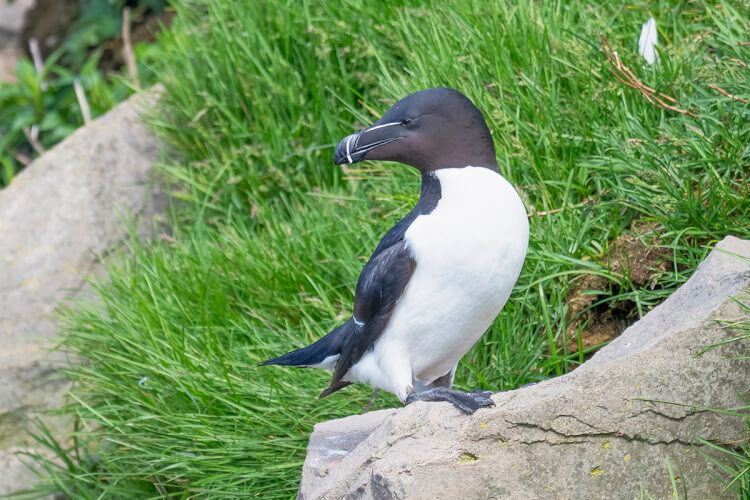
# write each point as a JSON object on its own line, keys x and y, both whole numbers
{"x": 469, "y": 252}
{"x": 327, "y": 364}
{"x": 648, "y": 40}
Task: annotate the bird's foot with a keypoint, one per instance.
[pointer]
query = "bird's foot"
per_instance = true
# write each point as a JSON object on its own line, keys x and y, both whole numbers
{"x": 468, "y": 402}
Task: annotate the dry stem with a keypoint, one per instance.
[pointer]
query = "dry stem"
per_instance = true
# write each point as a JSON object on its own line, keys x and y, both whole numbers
{"x": 127, "y": 48}
{"x": 84, "y": 105}
{"x": 626, "y": 76}
{"x": 724, "y": 92}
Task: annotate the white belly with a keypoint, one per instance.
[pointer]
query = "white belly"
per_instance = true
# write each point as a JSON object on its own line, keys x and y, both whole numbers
{"x": 469, "y": 252}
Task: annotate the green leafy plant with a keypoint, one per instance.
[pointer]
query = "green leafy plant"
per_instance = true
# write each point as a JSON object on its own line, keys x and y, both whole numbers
{"x": 41, "y": 108}
{"x": 100, "y": 20}
{"x": 47, "y": 101}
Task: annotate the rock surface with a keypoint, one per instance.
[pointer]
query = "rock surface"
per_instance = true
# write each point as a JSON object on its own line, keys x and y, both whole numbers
{"x": 11, "y": 25}
{"x": 56, "y": 217}
{"x": 598, "y": 432}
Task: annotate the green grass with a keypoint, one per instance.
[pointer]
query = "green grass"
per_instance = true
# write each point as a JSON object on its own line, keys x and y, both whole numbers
{"x": 269, "y": 236}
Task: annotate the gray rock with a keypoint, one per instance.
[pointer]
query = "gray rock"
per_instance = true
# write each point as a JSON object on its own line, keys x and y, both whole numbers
{"x": 56, "y": 218}
{"x": 598, "y": 432}
{"x": 11, "y": 24}
{"x": 12, "y": 14}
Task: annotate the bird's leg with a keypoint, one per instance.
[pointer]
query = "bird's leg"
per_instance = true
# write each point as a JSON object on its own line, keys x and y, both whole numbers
{"x": 372, "y": 400}
{"x": 468, "y": 402}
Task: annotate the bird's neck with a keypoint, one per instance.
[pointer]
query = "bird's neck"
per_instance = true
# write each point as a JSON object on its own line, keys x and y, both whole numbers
{"x": 430, "y": 192}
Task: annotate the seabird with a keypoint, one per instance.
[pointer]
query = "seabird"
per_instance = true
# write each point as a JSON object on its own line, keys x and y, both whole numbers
{"x": 441, "y": 275}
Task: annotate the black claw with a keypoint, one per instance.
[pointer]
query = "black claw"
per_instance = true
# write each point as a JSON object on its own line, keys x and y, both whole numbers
{"x": 482, "y": 393}
{"x": 480, "y": 402}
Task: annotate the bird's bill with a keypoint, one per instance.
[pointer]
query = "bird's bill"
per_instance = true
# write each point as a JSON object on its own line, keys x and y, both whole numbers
{"x": 354, "y": 147}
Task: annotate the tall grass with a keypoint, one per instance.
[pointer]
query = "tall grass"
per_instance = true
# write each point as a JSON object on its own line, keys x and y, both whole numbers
{"x": 269, "y": 236}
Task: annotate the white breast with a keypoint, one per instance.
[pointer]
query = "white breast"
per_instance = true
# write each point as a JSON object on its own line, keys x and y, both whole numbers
{"x": 469, "y": 252}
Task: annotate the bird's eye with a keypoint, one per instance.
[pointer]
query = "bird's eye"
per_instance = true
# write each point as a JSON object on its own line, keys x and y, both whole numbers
{"x": 406, "y": 123}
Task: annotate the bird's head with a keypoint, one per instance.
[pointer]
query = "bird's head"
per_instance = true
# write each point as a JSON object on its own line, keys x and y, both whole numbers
{"x": 430, "y": 129}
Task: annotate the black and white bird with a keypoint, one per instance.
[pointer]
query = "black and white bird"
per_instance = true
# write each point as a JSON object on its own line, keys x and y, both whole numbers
{"x": 441, "y": 275}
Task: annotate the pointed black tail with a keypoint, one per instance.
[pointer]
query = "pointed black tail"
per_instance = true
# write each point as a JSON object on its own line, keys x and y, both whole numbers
{"x": 329, "y": 345}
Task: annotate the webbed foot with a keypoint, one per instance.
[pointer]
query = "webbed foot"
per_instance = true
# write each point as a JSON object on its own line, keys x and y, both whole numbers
{"x": 468, "y": 402}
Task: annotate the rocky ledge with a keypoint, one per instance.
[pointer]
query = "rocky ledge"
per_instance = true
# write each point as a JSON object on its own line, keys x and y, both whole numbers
{"x": 607, "y": 430}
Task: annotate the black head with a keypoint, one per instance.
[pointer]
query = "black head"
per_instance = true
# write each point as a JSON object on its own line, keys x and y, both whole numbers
{"x": 430, "y": 129}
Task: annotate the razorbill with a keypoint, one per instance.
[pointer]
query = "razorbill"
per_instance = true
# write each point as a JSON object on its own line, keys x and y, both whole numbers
{"x": 442, "y": 274}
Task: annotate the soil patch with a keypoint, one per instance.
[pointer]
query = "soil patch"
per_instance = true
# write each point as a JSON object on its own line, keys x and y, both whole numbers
{"x": 48, "y": 22}
{"x": 638, "y": 256}
{"x": 144, "y": 29}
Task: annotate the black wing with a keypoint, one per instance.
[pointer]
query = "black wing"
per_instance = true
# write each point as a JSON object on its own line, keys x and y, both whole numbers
{"x": 380, "y": 285}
